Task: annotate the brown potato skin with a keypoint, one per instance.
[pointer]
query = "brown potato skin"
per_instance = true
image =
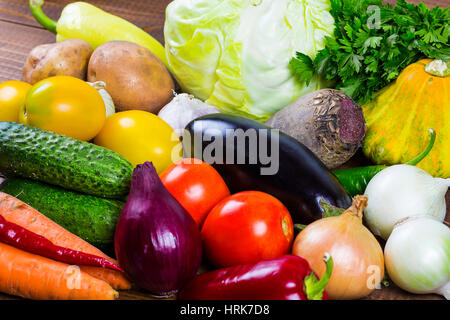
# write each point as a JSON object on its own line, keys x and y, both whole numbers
{"x": 135, "y": 78}
{"x": 66, "y": 58}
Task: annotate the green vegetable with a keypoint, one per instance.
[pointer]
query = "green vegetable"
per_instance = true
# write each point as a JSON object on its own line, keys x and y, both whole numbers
{"x": 355, "y": 180}
{"x": 92, "y": 219}
{"x": 365, "y": 54}
{"x": 235, "y": 55}
{"x": 69, "y": 163}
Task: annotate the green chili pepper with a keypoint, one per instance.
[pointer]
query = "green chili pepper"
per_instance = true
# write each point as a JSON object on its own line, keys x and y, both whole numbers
{"x": 81, "y": 20}
{"x": 355, "y": 180}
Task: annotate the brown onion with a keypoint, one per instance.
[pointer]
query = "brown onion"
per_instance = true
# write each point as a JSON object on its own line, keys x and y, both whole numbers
{"x": 357, "y": 255}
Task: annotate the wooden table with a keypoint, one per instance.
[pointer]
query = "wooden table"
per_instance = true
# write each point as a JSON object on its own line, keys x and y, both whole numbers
{"x": 19, "y": 33}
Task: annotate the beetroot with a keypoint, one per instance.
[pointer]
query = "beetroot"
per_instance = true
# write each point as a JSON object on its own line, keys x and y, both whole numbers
{"x": 327, "y": 121}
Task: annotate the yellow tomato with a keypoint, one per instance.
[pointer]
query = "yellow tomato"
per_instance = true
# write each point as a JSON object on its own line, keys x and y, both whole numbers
{"x": 12, "y": 95}
{"x": 141, "y": 136}
{"x": 65, "y": 105}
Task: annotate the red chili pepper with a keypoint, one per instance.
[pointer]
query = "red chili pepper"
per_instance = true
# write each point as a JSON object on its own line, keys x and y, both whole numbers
{"x": 21, "y": 238}
{"x": 285, "y": 278}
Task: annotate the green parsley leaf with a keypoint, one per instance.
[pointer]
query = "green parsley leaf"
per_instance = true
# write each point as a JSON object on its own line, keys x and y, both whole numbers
{"x": 363, "y": 56}
{"x": 302, "y": 66}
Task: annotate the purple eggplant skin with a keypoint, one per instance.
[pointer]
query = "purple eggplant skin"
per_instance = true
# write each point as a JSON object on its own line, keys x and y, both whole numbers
{"x": 301, "y": 182}
{"x": 157, "y": 242}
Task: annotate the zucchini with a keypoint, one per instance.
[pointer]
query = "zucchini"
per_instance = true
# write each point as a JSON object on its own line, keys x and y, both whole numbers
{"x": 92, "y": 219}
{"x": 63, "y": 161}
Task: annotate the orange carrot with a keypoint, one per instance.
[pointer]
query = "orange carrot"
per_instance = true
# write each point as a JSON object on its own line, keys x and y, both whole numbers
{"x": 18, "y": 212}
{"x": 31, "y": 276}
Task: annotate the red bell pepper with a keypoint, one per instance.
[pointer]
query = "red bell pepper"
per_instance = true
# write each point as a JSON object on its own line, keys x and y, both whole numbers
{"x": 286, "y": 278}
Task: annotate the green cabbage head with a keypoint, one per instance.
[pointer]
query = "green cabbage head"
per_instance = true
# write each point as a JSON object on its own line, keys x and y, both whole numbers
{"x": 234, "y": 54}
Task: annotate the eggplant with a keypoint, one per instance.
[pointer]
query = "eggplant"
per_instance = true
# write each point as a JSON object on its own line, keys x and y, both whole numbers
{"x": 252, "y": 156}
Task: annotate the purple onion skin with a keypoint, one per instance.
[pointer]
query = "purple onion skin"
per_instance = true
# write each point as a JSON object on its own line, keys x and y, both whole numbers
{"x": 157, "y": 242}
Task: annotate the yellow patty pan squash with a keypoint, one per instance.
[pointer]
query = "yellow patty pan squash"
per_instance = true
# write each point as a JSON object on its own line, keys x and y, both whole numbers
{"x": 399, "y": 116}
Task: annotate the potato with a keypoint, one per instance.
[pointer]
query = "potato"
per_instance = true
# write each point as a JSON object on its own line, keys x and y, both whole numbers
{"x": 65, "y": 58}
{"x": 135, "y": 78}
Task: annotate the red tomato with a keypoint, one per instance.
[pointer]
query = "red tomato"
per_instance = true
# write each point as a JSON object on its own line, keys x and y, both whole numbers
{"x": 196, "y": 185}
{"x": 247, "y": 227}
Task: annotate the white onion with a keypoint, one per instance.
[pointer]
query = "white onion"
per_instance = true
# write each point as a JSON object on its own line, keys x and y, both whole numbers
{"x": 100, "y": 86}
{"x": 417, "y": 256}
{"x": 402, "y": 191}
{"x": 183, "y": 109}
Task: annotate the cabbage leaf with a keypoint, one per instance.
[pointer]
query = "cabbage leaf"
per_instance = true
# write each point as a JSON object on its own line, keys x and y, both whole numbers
{"x": 235, "y": 54}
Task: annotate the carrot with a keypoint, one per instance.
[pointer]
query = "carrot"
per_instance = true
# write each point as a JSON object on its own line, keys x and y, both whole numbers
{"x": 31, "y": 276}
{"x": 18, "y": 212}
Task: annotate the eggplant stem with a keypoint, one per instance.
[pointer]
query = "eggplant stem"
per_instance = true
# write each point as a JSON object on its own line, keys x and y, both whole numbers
{"x": 299, "y": 227}
{"x": 425, "y": 152}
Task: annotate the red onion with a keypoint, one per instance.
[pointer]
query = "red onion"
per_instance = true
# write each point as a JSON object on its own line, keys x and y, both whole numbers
{"x": 156, "y": 241}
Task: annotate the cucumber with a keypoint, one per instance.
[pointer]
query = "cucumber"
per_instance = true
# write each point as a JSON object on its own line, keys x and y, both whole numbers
{"x": 66, "y": 162}
{"x": 92, "y": 219}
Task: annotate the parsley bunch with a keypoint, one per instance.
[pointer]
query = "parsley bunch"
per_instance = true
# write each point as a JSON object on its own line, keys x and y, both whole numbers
{"x": 373, "y": 43}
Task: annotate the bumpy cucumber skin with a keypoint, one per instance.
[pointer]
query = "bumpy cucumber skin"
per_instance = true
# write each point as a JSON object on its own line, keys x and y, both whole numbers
{"x": 92, "y": 219}
{"x": 66, "y": 162}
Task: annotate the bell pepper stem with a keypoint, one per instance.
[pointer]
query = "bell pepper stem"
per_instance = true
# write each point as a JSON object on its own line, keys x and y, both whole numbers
{"x": 314, "y": 288}
{"x": 39, "y": 15}
{"x": 425, "y": 152}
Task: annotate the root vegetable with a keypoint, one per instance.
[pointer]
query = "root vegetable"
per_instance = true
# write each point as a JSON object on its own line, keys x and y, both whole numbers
{"x": 66, "y": 58}
{"x": 326, "y": 121}
{"x": 403, "y": 191}
{"x": 157, "y": 242}
{"x": 136, "y": 79}
{"x": 34, "y": 277}
{"x": 100, "y": 86}
{"x": 183, "y": 109}
{"x": 417, "y": 256}
{"x": 357, "y": 255}
{"x": 25, "y": 216}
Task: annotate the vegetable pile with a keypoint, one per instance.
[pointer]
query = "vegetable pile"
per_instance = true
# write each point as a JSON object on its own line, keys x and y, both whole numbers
{"x": 191, "y": 192}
